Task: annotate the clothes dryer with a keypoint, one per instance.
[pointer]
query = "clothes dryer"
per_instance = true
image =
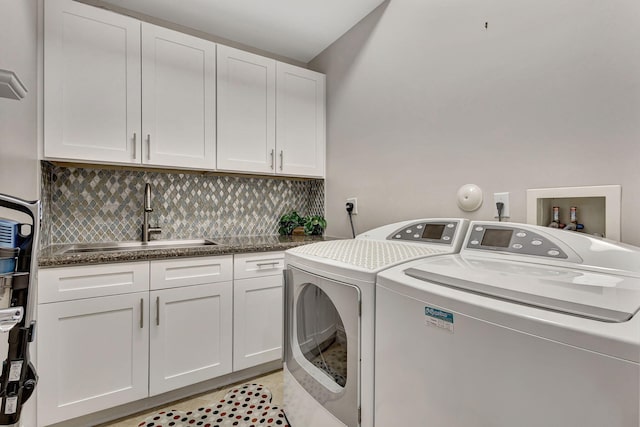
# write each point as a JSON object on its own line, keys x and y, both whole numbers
{"x": 526, "y": 326}
{"x": 329, "y": 317}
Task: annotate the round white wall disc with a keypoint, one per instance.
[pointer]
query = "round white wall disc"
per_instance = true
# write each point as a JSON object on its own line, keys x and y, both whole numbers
{"x": 469, "y": 197}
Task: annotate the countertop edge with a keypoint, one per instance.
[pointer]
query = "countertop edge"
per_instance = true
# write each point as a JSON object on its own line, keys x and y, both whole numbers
{"x": 50, "y": 257}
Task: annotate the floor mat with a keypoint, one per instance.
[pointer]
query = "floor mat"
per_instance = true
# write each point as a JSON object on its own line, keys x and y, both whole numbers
{"x": 248, "y": 405}
{"x": 333, "y": 361}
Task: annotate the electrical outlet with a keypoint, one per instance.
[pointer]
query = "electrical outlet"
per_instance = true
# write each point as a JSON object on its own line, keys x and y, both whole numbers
{"x": 353, "y": 200}
{"x": 504, "y": 198}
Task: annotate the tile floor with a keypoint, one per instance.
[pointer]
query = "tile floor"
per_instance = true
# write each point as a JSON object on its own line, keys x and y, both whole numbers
{"x": 273, "y": 381}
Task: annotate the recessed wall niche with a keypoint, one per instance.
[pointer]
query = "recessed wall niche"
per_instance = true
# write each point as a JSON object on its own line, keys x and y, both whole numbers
{"x": 598, "y": 207}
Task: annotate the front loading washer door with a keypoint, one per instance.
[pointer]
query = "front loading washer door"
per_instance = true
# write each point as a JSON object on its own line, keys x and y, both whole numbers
{"x": 322, "y": 335}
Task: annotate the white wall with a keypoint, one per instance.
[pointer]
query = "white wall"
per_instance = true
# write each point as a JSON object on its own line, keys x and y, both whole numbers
{"x": 19, "y": 167}
{"x": 422, "y": 98}
{"x": 18, "y": 119}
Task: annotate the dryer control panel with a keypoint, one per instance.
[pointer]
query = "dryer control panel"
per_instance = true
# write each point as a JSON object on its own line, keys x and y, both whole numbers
{"x": 512, "y": 239}
{"x": 427, "y": 231}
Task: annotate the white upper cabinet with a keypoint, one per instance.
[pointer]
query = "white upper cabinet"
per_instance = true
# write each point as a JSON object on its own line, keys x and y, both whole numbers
{"x": 91, "y": 84}
{"x": 246, "y": 111}
{"x": 178, "y": 99}
{"x": 300, "y": 121}
{"x": 109, "y": 101}
{"x": 271, "y": 116}
{"x": 121, "y": 91}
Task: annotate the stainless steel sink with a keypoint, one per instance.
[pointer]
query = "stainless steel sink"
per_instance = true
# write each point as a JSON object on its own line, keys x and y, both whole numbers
{"x": 78, "y": 248}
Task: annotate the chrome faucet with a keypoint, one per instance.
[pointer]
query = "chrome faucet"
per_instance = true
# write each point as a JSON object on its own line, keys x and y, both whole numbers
{"x": 146, "y": 230}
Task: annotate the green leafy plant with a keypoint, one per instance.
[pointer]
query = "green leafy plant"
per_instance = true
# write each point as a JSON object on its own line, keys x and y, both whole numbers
{"x": 314, "y": 225}
{"x": 290, "y": 221}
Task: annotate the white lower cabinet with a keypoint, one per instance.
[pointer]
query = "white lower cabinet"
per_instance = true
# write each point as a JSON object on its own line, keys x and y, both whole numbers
{"x": 257, "y": 321}
{"x": 114, "y": 333}
{"x": 257, "y": 309}
{"x": 191, "y": 336}
{"x": 92, "y": 354}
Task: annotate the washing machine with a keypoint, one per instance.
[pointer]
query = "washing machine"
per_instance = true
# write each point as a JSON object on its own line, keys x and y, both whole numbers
{"x": 329, "y": 317}
{"x": 526, "y": 326}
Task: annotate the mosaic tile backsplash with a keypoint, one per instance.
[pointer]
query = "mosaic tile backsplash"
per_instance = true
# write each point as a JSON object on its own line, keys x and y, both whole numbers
{"x": 94, "y": 205}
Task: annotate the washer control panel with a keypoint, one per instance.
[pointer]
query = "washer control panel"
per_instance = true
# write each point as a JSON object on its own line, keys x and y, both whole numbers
{"x": 513, "y": 240}
{"x": 427, "y": 231}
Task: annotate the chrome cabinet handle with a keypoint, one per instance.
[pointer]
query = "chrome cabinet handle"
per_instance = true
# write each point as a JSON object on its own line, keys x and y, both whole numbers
{"x": 157, "y": 311}
{"x": 141, "y": 313}
{"x": 148, "y": 147}
{"x": 135, "y": 142}
{"x": 272, "y": 264}
{"x": 281, "y": 158}
{"x": 272, "y": 157}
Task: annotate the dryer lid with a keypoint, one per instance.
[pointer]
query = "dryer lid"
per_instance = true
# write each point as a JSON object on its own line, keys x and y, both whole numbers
{"x": 594, "y": 295}
{"x": 367, "y": 255}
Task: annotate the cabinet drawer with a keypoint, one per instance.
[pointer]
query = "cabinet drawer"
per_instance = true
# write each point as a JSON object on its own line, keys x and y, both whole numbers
{"x": 260, "y": 264}
{"x": 172, "y": 273}
{"x": 88, "y": 281}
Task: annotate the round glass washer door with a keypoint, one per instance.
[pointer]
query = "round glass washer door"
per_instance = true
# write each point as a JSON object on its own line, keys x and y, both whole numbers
{"x": 322, "y": 351}
{"x": 321, "y": 334}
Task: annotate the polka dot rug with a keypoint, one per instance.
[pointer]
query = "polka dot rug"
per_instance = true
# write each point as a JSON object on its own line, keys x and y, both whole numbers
{"x": 248, "y": 405}
{"x": 333, "y": 361}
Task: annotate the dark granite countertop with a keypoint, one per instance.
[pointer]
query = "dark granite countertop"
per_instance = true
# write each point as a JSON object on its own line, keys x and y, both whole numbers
{"x": 51, "y": 256}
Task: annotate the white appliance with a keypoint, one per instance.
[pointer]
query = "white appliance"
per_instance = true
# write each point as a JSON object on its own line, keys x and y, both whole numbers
{"x": 329, "y": 317}
{"x": 526, "y": 326}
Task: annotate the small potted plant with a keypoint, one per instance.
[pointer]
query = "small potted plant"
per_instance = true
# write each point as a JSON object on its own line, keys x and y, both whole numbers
{"x": 314, "y": 225}
{"x": 292, "y": 224}
{"x": 289, "y": 222}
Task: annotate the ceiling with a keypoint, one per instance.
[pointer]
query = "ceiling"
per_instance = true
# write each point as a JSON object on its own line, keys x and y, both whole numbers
{"x": 296, "y": 29}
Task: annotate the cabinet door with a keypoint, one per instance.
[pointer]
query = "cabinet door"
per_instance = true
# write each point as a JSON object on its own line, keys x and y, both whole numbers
{"x": 91, "y": 84}
{"x": 92, "y": 355}
{"x": 178, "y": 99}
{"x": 246, "y": 111}
{"x": 191, "y": 335}
{"x": 257, "y": 321}
{"x": 300, "y": 125}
